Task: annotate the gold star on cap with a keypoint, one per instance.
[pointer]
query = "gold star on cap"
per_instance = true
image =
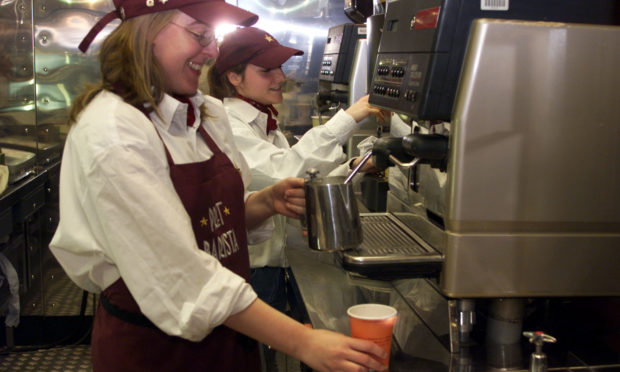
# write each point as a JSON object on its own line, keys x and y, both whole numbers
{"x": 203, "y": 221}
{"x": 268, "y": 38}
{"x": 226, "y": 211}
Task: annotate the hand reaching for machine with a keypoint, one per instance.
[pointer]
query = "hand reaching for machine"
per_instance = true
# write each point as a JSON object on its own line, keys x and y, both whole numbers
{"x": 361, "y": 109}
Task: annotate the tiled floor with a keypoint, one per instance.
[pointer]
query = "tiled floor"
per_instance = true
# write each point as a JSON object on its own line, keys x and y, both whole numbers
{"x": 64, "y": 359}
{"x": 77, "y": 359}
{"x": 64, "y": 298}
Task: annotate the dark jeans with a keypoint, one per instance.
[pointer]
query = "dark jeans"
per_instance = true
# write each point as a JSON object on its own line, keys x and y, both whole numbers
{"x": 276, "y": 286}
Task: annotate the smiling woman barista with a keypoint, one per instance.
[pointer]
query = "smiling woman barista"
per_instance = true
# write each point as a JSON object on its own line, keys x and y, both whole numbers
{"x": 154, "y": 210}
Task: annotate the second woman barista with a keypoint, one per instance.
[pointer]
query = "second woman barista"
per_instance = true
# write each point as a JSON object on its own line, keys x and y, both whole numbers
{"x": 248, "y": 78}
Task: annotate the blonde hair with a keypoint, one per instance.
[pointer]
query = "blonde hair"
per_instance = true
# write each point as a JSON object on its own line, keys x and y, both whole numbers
{"x": 128, "y": 65}
{"x": 219, "y": 86}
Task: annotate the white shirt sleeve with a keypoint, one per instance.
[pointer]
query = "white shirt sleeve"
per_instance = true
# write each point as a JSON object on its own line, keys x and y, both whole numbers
{"x": 121, "y": 217}
{"x": 270, "y": 158}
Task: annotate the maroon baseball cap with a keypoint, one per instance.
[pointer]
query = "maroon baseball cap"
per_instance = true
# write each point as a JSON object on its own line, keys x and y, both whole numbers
{"x": 252, "y": 45}
{"x": 206, "y": 11}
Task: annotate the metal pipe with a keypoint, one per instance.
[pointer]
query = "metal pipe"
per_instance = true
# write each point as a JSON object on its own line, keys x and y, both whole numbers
{"x": 358, "y": 167}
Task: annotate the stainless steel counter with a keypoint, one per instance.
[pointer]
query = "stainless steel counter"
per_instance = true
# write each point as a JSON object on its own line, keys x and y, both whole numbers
{"x": 421, "y": 341}
{"x": 327, "y": 291}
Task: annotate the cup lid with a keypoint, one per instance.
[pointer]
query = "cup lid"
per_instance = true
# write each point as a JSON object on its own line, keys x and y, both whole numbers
{"x": 371, "y": 311}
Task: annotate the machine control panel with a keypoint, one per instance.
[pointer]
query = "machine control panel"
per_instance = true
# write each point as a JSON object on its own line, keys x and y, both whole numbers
{"x": 398, "y": 81}
{"x": 423, "y": 43}
{"x": 328, "y": 66}
{"x": 340, "y": 51}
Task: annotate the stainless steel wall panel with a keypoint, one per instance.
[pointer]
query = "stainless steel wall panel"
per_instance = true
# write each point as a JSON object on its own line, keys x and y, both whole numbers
{"x": 17, "y": 89}
{"x": 41, "y": 73}
{"x": 61, "y": 70}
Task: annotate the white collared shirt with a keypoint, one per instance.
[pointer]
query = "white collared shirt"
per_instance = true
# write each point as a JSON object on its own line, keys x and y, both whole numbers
{"x": 120, "y": 214}
{"x": 271, "y": 158}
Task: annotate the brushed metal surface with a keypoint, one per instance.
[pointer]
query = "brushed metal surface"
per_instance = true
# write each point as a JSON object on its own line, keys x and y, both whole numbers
{"x": 332, "y": 214}
{"x": 389, "y": 241}
{"x": 533, "y": 177}
{"x": 535, "y": 130}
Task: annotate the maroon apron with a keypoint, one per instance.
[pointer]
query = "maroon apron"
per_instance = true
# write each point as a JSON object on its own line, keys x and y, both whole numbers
{"x": 125, "y": 340}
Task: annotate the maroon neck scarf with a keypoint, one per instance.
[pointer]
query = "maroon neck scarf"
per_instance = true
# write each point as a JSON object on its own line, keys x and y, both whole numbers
{"x": 271, "y": 112}
{"x": 191, "y": 117}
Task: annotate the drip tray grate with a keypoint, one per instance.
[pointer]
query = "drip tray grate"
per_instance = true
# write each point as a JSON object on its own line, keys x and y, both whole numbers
{"x": 391, "y": 248}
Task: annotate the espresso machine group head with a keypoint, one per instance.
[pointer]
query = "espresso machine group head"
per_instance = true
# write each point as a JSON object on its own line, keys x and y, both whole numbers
{"x": 420, "y": 148}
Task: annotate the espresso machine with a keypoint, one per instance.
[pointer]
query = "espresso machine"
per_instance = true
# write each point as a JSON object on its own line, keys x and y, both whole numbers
{"x": 339, "y": 56}
{"x": 344, "y": 74}
{"x": 509, "y": 177}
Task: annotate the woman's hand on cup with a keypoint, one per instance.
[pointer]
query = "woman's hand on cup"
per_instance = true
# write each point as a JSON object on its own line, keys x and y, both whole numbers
{"x": 331, "y": 351}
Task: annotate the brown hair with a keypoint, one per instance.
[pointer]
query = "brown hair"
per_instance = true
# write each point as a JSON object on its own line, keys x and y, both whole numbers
{"x": 219, "y": 86}
{"x": 128, "y": 65}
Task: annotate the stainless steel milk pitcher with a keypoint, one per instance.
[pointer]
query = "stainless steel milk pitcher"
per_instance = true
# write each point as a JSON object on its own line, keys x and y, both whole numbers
{"x": 332, "y": 216}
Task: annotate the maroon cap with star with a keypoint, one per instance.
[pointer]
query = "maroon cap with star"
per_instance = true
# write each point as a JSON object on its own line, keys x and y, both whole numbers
{"x": 206, "y": 11}
{"x": 252, "y": 45}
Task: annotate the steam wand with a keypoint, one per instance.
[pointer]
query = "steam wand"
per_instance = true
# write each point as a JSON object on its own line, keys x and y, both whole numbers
{"x": 358, "y": 167}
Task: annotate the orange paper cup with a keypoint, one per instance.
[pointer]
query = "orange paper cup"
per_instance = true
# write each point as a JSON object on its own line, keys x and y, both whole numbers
{"x": 374, "y": 322}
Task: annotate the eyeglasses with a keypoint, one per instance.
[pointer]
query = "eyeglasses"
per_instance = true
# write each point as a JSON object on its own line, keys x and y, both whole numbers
{"x": 205, "y": 38}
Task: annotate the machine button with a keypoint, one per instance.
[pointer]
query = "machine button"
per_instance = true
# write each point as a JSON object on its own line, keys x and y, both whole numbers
{"x": 393, "y": 92}
{"x": 411, "y": 95}
{"x": 379, "y": 89}
{"x": 383, "y": 70}
{"x": 398, "y": 72}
